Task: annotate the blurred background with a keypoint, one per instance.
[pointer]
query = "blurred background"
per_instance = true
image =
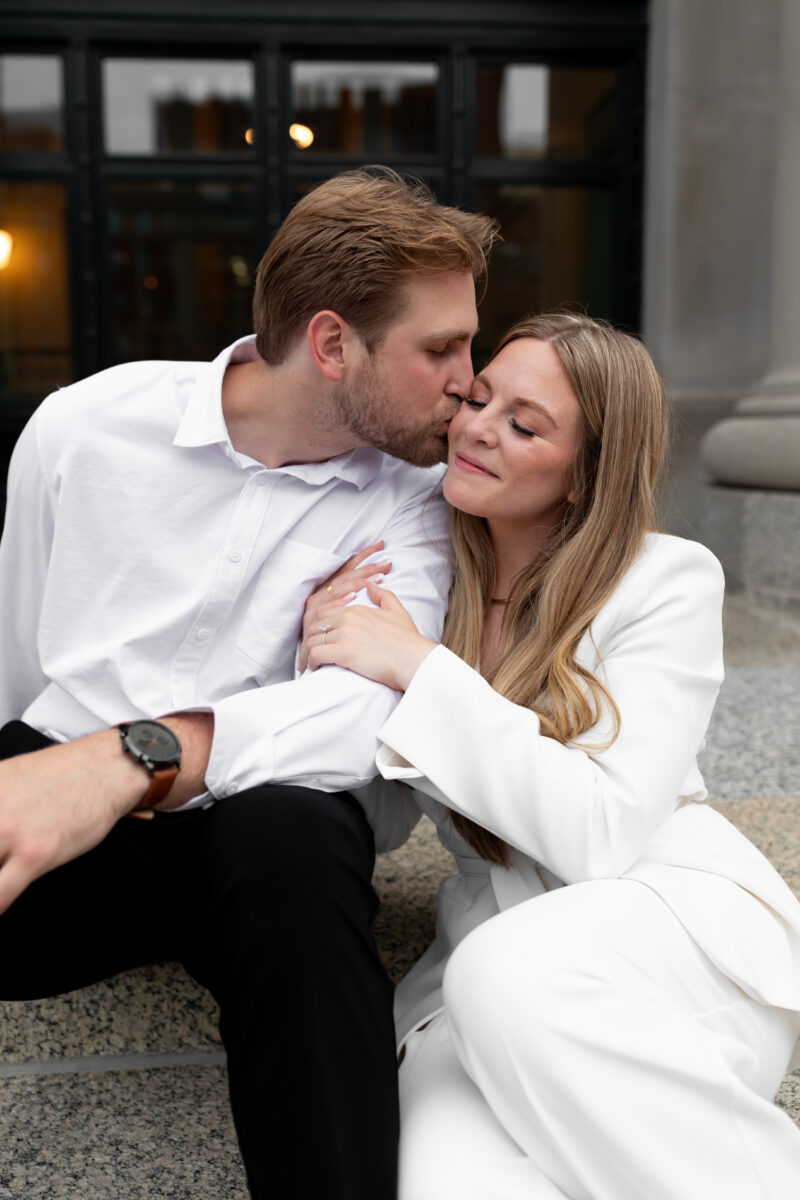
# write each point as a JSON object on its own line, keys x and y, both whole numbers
{"x": 643, "y": 160}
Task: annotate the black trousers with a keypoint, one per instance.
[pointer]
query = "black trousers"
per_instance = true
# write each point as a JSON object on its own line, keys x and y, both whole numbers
{"x": 266, "y": 899}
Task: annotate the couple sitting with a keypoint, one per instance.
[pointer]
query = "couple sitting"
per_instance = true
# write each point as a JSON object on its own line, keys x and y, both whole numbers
{"x": 613, "y": 995}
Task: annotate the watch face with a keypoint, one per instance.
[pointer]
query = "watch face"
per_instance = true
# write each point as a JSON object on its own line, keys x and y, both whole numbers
{"x": 155, "y": 741}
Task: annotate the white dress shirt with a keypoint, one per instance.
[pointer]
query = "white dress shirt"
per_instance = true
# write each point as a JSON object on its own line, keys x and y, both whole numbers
{"x": 147, "y": 567}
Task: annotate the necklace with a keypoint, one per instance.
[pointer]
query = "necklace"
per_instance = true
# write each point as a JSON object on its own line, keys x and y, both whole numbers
{"x": 496, "y": 600}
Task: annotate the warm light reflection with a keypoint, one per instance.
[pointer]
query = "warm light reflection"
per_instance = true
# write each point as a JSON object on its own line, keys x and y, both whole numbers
{"x": 301, "y": 135}
{"x": 6, "y": 246}
{"x": 240, "y": 270}
{"x": 150, "y": 282}
{"x": 249, "y": 136}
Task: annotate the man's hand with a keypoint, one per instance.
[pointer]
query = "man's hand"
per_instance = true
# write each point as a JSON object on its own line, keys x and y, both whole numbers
{"x": 56, "y": 804}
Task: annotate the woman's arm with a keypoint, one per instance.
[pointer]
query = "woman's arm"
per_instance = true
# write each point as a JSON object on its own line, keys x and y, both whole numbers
{"x": 582, "y": 813}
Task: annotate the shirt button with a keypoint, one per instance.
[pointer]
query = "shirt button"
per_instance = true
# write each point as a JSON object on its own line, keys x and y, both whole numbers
{"x": 235, "y": 556}
{"x": 261, "y": 480}
{"x": 202, "y": 634}
{"x": 231, "y": 789}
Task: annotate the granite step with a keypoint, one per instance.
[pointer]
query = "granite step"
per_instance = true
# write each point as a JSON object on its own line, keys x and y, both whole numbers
{"x": 119, "y": 1091}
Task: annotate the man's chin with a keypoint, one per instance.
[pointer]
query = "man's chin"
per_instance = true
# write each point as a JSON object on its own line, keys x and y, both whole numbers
{"x": 420, "y": 453}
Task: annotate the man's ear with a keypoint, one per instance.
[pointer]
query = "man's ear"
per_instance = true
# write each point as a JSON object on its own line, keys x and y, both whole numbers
{"x": 330, "y": 343}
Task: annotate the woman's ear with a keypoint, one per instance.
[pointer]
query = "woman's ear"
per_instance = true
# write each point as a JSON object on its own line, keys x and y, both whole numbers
{"x": 329, "y": 338}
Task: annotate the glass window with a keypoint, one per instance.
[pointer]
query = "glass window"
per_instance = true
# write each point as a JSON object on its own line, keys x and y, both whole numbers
{"x": 31, "y": 102}
{"x": 364, "y": 108}
{"x": 35, "y": 339}
{"x": 557, "y": 251}
{"x": 182, "y": 267}
{"x": 161, "y": 105}
{"x": 527, "y": 111}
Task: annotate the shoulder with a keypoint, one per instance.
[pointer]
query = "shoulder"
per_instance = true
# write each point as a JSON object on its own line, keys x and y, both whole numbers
{"x": 673, "y": 582}
{"x": 672, "y": 563}
{"x": 113, "y": 382}
{"x": 411, "y": 480}
{"x": 403, "y": 487}
{"x": 127, "y": 396}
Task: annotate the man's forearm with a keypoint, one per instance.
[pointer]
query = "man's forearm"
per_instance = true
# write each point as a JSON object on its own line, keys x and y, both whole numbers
{"x": 56, "y": 804}
{"x": 124, "y": 781}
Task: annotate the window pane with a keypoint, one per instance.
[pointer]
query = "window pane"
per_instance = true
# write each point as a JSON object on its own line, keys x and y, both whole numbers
{"x": 183, "y": 259}
{"x": 546, "y": 112}
{"x": 35, "y": 340}
{"x": 364, "y": 108}
{"x": 158, "y": 105}
{"x": 31, "y": 102}
{"x": 557, "y": 251}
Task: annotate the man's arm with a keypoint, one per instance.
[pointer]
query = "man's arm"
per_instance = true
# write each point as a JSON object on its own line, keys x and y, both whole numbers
{"x": 320, "y": 730}
{"x": 24, "y": 558}
{"x": 56, "y": 804}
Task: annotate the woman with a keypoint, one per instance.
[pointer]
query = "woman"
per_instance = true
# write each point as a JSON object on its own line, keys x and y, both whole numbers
{"x": 613, "y": 995}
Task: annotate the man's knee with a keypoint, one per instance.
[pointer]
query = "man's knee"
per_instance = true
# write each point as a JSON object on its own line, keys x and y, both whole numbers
{"x": 281, "y": 837}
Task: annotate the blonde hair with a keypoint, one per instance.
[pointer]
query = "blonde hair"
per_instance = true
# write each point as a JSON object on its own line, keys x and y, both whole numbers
{"x": 554, "y": 601}
{"x": 349, "y": 245}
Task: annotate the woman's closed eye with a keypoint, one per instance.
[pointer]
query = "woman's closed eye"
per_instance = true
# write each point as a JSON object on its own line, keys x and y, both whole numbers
{"x": 477, "y": 402}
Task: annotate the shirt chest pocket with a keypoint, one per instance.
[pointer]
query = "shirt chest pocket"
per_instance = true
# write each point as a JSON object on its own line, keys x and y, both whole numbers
{"x": 273, "y": 617}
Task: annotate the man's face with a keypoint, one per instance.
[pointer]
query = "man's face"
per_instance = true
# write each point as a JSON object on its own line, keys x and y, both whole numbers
{"x": 401, "y": 398}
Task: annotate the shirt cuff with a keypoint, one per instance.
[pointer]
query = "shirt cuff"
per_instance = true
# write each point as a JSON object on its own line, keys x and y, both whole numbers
{"x": 242, "y": 754}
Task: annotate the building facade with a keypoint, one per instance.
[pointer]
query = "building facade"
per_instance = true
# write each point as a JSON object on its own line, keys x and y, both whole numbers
{"x": 148, "y": 151}
{"x": 643, "y": 160}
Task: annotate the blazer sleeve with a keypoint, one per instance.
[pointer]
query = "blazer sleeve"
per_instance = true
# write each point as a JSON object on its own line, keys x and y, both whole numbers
{"x": 582, "y": 812}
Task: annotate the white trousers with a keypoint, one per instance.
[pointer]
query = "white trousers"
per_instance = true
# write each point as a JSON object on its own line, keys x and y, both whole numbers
{"x": 590, "y": 1050}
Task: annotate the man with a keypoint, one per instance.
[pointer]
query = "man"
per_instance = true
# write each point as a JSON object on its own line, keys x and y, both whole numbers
{"x": 165, "y": 523}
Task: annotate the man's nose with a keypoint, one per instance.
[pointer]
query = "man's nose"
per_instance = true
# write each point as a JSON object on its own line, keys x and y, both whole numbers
{"x": 461, "y": 377}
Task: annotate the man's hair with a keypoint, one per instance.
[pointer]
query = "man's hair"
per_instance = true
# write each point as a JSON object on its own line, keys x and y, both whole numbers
{"x": 349, "y": 246}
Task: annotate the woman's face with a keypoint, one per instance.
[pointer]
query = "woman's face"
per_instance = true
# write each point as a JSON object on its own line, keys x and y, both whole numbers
{"x": 513, "y": 443}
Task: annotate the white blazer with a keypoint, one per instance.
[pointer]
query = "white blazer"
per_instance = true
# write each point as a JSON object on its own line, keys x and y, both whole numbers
{"x": 573, "y": 813}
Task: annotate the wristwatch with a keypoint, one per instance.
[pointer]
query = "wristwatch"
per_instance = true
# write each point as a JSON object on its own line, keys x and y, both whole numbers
{"x": 157, "y": 748}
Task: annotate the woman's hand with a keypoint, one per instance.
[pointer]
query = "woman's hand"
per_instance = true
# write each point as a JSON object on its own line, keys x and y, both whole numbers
{"x": 380, "y": 643}
{"x": 339, "y": 589}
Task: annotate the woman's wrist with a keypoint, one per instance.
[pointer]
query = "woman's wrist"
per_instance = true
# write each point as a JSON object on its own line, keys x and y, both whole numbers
{"x": 412, "y": 661}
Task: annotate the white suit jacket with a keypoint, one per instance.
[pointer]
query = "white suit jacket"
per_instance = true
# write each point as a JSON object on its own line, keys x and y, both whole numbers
{"x": 573, "y": 813}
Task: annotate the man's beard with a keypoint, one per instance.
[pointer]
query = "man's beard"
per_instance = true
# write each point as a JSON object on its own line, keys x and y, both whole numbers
{"x": 364, "y": 409}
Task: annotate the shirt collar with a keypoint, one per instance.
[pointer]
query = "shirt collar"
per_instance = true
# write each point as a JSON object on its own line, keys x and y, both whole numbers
{"x": 203, "y": 423}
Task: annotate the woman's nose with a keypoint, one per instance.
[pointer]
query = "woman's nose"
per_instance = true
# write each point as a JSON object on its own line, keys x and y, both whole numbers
{"x": 481, "y": 428}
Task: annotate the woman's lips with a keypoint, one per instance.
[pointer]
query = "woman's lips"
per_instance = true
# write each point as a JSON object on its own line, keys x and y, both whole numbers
{"x": 472, "y": 466}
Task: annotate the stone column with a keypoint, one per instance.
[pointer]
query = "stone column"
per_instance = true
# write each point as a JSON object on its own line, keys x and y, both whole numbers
{"x": 759, "y": 445}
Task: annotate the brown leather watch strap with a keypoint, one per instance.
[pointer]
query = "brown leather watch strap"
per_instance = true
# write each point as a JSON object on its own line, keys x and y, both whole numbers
{"x": 160, "y": 784}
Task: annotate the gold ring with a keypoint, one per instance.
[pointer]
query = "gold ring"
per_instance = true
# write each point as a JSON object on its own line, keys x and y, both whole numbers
{"x": 328, "y": 587}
